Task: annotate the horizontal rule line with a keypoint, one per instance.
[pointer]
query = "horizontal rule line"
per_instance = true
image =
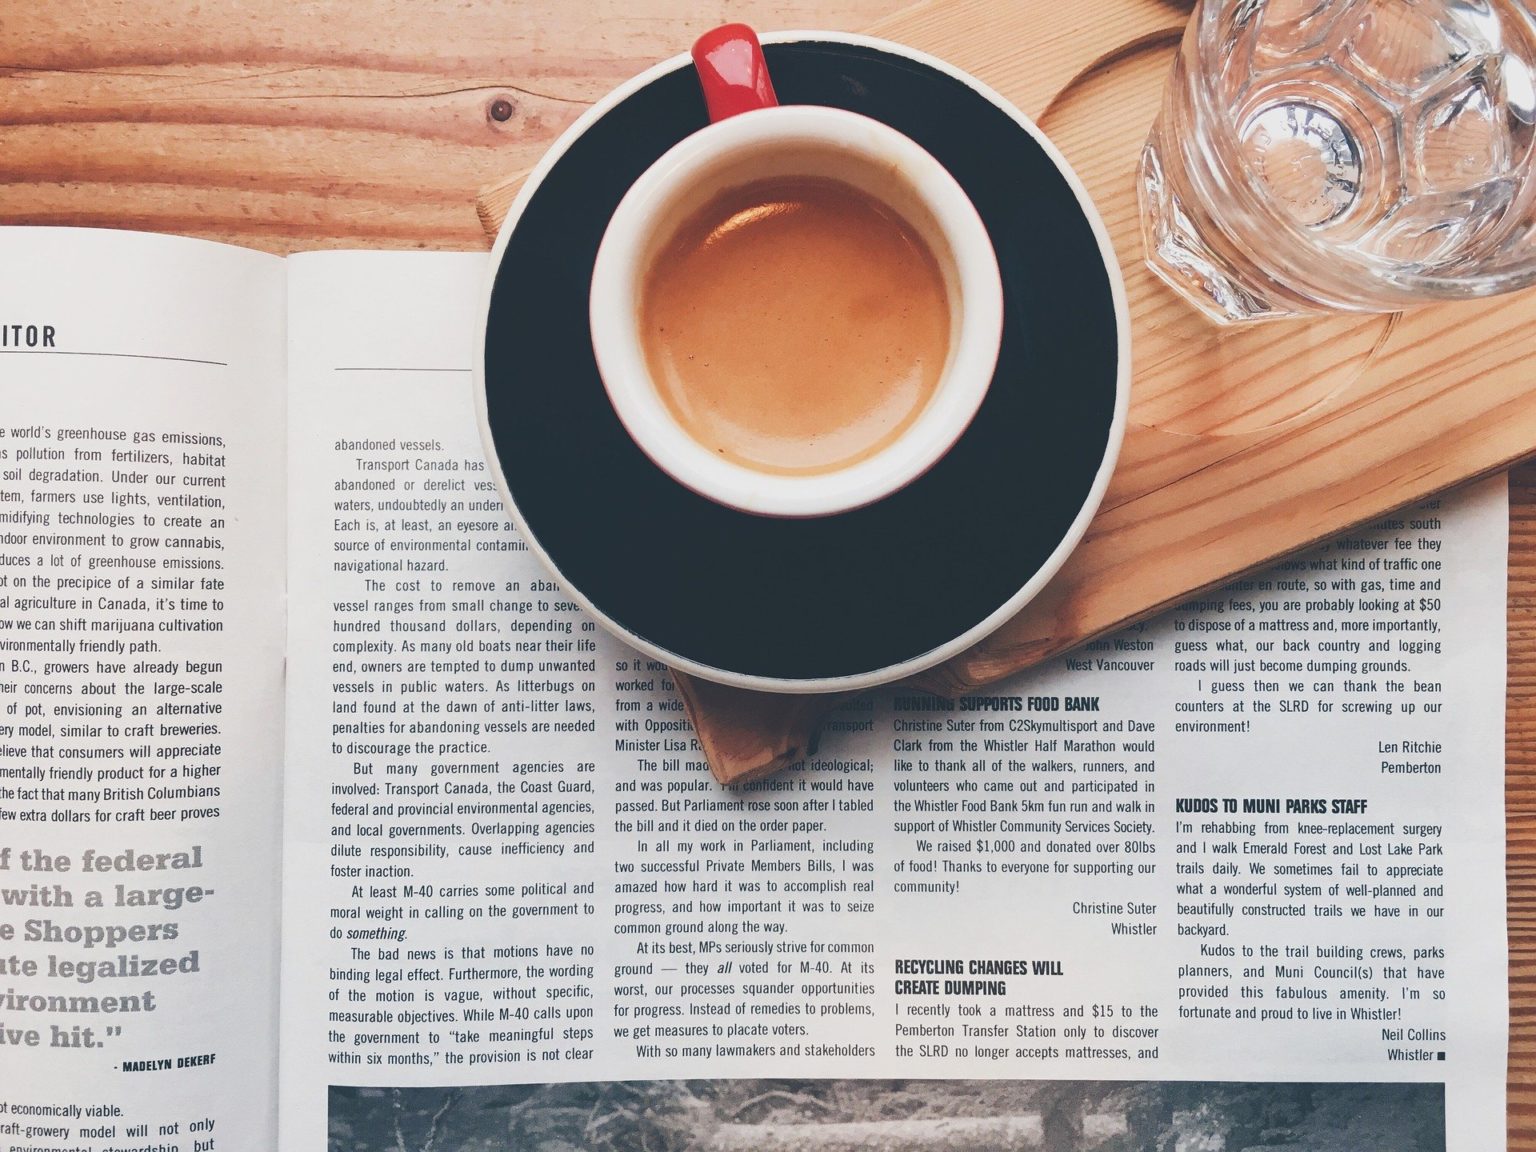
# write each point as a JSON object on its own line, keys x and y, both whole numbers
{"x": 400, "y": 369}
{"x": 117, "y": 355}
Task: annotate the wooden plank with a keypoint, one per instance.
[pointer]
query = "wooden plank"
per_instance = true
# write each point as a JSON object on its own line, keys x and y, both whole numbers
{"x": 282, "y": 127}
{"x": 1061, "y": 50}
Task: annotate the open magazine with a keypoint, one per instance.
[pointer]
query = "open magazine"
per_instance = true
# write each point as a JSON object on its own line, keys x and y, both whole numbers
{"x": 328, "y": 821}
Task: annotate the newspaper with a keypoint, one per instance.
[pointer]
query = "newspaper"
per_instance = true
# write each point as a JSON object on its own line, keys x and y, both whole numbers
{"x": 1231, "y": 879}
{"x": 1257, "y": 841}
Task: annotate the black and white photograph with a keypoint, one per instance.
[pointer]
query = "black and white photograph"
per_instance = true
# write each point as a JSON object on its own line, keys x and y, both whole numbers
{"x": 891, "y": 1116}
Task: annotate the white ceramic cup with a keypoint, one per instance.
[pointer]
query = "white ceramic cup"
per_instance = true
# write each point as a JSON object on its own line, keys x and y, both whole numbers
{"x": 779, "y": 141}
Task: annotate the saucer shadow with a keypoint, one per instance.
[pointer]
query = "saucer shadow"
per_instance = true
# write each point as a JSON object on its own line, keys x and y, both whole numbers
{"x": 720, "y": 591}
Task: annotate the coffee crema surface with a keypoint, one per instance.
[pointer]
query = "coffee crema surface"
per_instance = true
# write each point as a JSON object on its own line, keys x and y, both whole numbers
{"x": 795, "y": 325}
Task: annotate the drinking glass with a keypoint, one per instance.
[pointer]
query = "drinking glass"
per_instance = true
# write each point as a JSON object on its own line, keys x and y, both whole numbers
{"x": 1355, "y": 155}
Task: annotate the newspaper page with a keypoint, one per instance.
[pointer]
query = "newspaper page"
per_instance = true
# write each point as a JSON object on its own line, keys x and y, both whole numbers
{"x": 1231, "y": 879}
{"x": 141, "y": 663}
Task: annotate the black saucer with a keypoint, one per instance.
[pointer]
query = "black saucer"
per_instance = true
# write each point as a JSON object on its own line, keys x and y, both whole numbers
{"x": 753, "y": 600}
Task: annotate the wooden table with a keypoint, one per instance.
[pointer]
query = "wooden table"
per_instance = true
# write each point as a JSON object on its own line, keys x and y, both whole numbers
{"x": 290, "y": 125}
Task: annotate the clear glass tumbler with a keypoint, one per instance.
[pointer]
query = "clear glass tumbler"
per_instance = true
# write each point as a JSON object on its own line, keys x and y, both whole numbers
{"x": 1355, "y": 155}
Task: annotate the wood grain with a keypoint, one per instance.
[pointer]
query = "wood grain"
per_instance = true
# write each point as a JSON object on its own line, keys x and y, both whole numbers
{"x": 291, "y": 126}
{"x": 372, "y": 123}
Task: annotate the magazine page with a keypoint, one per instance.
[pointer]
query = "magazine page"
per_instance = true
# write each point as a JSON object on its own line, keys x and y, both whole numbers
{"x": 1231, "y": 879}
{"x": 141, "y": 662}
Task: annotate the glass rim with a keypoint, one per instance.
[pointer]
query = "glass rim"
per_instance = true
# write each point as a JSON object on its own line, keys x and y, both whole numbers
{"x": 1248, "y": 206}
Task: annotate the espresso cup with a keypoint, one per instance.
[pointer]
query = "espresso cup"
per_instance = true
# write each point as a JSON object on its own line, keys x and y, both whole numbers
{"x": 795, "y": 311}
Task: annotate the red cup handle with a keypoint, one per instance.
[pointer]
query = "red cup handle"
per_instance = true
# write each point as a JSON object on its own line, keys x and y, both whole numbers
{"x": 732, "y": 72}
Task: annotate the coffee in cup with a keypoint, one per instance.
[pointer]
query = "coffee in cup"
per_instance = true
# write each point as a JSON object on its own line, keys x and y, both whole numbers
{"x": 795, "y": 311}
{"x": 795, "y": 325}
